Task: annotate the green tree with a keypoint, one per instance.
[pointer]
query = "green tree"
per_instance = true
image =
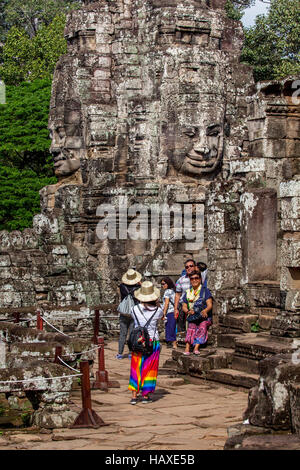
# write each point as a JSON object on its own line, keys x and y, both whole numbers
{"x": 235, "y": 8}
{"x": 24, "y": 136}
{"x": 272, "y": 45}
{"x": 3, "y": 21}
{"x": 27, "y": 59}
{"x": 30, "y": 15}
{"x": 19, "y": 197}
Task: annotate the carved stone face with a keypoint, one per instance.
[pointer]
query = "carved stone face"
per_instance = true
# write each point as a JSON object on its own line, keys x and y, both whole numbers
{"x": 199, "y": 145}
{"x": 66, "y": 152}
{"x": 144, "y": 101}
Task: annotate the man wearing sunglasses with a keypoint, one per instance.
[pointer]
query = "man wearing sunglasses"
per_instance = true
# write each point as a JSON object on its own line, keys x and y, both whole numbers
{"x": 182, "y": 285}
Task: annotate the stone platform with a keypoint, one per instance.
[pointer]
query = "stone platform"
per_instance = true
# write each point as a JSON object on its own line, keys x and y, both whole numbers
{"x": 182, "y": 416}
{"x": 237, "y": 365}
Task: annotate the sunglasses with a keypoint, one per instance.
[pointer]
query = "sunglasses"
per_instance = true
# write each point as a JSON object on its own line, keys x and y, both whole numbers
{"x": 194, "y": 278}
{"x": 189, "y": 266}
{"x": 163, "y": 283}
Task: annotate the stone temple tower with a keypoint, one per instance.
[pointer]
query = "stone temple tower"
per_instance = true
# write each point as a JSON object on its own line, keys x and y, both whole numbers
{"x": 149, "y": 104}
{"x": 151, "y": 107}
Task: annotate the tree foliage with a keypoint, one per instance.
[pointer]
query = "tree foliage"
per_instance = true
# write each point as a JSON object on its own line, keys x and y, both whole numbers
{"x": 30, "y": 15}
{"x": 27, "y": 59}
{"x": 4, "y": 26}
{"x": 235, "y": 8}
{"x": 25, "y": 162}
{"x": 24, "y": 135}
{"x": 272, "y": 45}
{"x": 19, "y": 197}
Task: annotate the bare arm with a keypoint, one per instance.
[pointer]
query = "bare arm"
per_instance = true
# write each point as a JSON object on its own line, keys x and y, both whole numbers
{"x": 166, "y": 306}
{"x": 176, "y": 302}
{"x": 208, "y": 308}
{"x": 185, "y": 308}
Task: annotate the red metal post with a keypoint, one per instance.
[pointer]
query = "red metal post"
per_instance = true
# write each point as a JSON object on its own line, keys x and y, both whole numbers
{"x": 96, "y": 325}
{"x": 87, "y": 418}
{"x": 17, "y": 317}
{"x": 58, "y": 353}
{"x": 39, "y": 321}
{"x": 102, "y": 381}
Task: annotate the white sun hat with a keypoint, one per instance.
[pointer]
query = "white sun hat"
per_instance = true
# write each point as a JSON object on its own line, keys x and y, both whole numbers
{"x": 147, "y": 292}
{"x": 131, "y": 278}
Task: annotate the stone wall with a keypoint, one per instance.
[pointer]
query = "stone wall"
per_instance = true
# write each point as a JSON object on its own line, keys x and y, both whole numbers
{"x": 151, "y": 105}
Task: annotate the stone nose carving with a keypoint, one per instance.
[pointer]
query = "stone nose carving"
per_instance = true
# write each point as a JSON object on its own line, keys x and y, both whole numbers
{"x": 201, "y": 147}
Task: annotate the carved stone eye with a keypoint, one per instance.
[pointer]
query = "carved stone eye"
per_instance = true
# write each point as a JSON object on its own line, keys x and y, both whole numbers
{"x": 214, "y": 130}
{"x": 190, "y": 132}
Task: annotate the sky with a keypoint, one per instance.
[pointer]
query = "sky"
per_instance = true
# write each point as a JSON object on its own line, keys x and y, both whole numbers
{"x": 258, "y": 9}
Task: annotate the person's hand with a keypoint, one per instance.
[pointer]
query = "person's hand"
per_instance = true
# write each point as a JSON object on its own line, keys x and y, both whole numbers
{"x": 204, "y": 314}
{"x": 191, "y": 312}
{"x": 176, "y": 314}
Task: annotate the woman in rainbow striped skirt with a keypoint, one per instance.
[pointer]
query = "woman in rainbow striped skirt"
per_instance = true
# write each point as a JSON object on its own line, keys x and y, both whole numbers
{"x": 144, "y": 368}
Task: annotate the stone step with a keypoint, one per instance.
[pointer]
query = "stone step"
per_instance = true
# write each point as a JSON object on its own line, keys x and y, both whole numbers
{"x": 233, "y": 377}
{"x": 167, "y": 372}
{"x": 38, "y": 350}
{"x": 237, "y": 322}
{"x": 245, "y": 365}
{"x": 260, "y": 346}
{"x": 228, "y": 340}
{"x": 198, "y": 365}
{"x": 170, "y": 381}
{"x": 170, "y": 363}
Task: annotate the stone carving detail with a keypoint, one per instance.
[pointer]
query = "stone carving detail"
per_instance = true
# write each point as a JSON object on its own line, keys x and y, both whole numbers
{"x": 148, "y": 87}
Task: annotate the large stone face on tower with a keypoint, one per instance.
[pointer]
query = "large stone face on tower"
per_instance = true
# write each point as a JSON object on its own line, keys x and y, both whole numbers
{"x": 148, "y": 91}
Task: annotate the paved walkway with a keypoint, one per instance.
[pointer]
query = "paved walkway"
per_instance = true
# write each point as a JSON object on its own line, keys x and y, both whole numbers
{"x": 181, "y": 417}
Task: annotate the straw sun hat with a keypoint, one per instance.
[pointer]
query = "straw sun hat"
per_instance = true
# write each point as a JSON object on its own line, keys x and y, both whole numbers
{"x": 131, "y": 278}
{"x": 147, "y": 292}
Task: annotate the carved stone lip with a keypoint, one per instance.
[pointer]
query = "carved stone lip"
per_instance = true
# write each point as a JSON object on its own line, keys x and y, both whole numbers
{"x": 60, "y": 159}
{"x": 198, "y": 160}
{"x": 58, "y": 163}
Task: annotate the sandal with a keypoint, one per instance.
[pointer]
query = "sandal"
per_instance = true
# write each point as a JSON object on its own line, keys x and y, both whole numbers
{"x": 196, "y": 353}
{"x": 147, "y": 400}
{"x": 186, "y": 353}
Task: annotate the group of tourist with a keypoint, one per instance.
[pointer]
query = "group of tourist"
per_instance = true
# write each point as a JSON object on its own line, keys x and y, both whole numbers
{"x": 186, "y": 306}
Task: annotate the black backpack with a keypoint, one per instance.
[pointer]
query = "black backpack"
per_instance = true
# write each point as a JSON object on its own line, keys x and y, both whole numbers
{"x": 139, "y": 339}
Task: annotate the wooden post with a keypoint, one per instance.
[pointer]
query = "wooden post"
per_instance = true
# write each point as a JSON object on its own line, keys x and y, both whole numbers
{"x": 58, "y": 353}
{"x": 96, "y": 325}
{"x": 87, "y": 417}
{"x": 102, "y": 381}
{"x": 39, "y": 321}
{"x": 17, "y": 317}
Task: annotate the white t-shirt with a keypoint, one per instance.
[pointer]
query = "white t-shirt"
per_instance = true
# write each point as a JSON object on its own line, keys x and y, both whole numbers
{"x": 143, "y": 314}
{"x": 169, "y": 294}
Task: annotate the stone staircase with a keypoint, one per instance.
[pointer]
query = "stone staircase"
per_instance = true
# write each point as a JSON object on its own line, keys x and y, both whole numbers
{"x": 235, "y": 360}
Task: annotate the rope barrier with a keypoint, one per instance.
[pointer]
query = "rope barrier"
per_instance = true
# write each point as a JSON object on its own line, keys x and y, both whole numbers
{"x": 67, "y": 365}
{"x": 82, "y": 352}
{"x": 44, "y": 319}
{"x": 38, "y": 380}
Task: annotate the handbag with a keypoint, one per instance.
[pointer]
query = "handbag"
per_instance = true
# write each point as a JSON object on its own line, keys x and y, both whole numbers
{"x": 126, "y": 305}
{"x": 198, "y": 307}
